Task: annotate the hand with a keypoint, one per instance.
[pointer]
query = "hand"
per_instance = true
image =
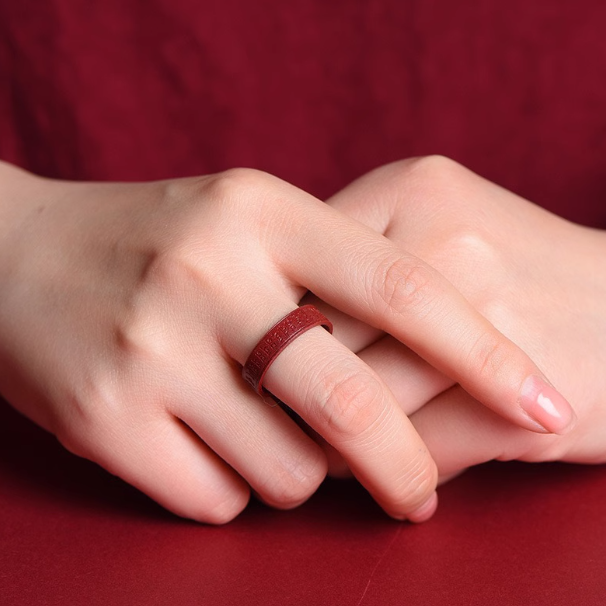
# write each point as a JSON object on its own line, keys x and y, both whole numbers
{"x": 538, "y": 278}
{"x": 126, "y": 311}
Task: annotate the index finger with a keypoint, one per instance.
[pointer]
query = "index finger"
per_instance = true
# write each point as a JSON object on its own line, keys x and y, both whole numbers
{"x": 364, "y": 274}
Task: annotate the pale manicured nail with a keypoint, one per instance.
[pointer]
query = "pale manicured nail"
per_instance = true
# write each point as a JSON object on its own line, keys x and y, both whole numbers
{"x": 545, "y": 405}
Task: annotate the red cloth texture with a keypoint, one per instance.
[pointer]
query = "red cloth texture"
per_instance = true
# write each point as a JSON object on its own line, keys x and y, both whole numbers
{"x": 317, "y": 92}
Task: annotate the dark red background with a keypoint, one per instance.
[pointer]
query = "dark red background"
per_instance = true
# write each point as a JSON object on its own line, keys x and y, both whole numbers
{"x": 317, "y": 92}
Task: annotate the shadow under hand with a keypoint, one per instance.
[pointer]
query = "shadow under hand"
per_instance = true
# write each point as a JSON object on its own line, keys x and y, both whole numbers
{"x": 35, "y": 467}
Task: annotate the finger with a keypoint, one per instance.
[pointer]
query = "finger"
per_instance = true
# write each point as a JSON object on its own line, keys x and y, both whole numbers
{"x": 346, "y": 403}
{"x": 413, "y": 382}
{"x": 368, "y": 277}
{"x": 168, "y": 462}
{"x": 353, "y": 333}
{"x": 460, "y": 433}
{"x": 356, "y": 336}
{"x": 411, "y": 379}
{"x": 280, "y": 462}
{"x": 336, "y": 465}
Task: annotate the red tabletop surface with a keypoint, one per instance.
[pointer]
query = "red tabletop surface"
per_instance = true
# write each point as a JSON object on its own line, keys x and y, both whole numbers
{"x": 507, "y": 533}
{"x": 317, "y": 92}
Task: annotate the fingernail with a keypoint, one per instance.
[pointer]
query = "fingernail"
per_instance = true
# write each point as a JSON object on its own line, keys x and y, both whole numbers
{"x": 423, "y": 513}
{"x": 546, "y": 406}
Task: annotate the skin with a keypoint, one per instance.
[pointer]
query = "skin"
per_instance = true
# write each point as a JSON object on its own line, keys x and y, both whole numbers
{"x": 127, "y": 310}
{"x": 535, "y": 276}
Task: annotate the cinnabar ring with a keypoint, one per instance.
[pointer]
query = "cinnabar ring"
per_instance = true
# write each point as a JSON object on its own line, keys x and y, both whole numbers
{"x": 277, "y": 338}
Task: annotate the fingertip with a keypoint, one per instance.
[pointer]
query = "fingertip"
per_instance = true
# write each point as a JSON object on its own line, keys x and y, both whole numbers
{"x": 425, "y": 511}
{"x": 226, "y": 511}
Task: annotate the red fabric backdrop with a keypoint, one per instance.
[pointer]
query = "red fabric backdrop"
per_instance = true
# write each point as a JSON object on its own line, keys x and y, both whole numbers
{"x": 317, "y": 92}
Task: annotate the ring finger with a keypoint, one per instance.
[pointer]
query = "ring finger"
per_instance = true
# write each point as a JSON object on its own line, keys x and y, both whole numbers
{"x": 342, "y": 399}
{"x": 280, "y": 463}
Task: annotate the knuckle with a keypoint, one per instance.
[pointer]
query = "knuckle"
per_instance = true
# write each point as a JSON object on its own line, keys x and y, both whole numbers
{"x": 135, "y": 338}
{"x": 353, "y": 404}
{"x": 293, "y": 477}
{"x": 228, "y": 206}
{"x": 286, "y": 490}
{"x": 469, "y": 240}
{"x": 472, "y": 246}
{"x": 489, "y": 354}
{"x": 420, "y": 170}
{"x": 220, "y": 194}
{"x": 176, "y": 192}
{"x": 403, "y": 284}
{"x": 430, "y": 164}
{"x": 221, "y": 510}
{"x": 466, "y": 253}
{"x": 243, "y": 177}
{"x": 303, "y": 475}
{"x": 163, "y": 270}
{"x": 211, "y": 502}
{"x": 434, "y": 186}
{"x": 432, "y": 169}
{"x": 234, "y": 185}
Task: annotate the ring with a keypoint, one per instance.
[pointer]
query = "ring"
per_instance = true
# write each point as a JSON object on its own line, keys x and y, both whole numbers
{"x": 277, "y": 338}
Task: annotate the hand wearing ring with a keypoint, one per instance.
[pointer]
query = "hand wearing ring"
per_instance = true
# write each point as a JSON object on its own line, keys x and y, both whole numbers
{"x": 165, "y": 290}
{"x": 533, "y": 274}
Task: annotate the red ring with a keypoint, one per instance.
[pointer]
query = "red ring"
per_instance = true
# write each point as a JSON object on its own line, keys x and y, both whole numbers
{"x": 277, "y": 338}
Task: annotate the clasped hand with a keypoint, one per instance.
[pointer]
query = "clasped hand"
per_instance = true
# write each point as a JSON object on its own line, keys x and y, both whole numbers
{"x": 127, "y": 311}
